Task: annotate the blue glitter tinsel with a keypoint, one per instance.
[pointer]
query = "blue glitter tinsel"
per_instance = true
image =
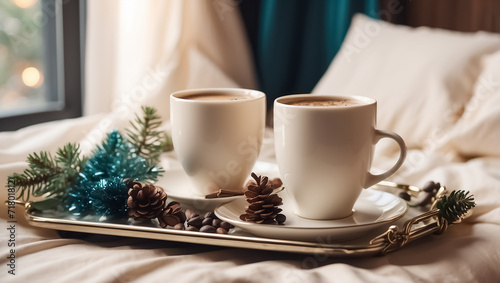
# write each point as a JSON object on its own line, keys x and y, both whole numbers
{"x": 100, "y": 189}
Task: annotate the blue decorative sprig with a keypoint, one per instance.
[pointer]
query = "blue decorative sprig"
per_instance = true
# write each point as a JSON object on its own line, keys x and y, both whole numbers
{"x": 96, "y": 185}
{"x": 115, "y": 158}
{"x": 105, "y": 197}
{"x": 99, "y": 189}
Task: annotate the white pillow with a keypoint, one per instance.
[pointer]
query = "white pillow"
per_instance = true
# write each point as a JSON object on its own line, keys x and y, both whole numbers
{"x": 421, "y": 77}
{"x": 477, "y": 133}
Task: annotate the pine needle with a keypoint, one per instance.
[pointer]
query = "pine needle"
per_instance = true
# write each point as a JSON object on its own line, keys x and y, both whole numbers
{"x": 454, "y": 206}
{"x": 49, "y": 176}
{"x": 145, "y": 137}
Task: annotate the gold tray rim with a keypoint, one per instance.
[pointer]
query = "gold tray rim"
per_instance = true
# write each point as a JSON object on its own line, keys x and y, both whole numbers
{"x": 224, "y": 240}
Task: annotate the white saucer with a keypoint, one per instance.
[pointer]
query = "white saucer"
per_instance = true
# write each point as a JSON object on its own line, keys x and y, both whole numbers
{"x": 176, "y": 184}
{"x": 372, "y": 210}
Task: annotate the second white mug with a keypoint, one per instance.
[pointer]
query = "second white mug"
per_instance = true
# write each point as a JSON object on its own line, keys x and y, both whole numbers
{"x": 324, "y": 148}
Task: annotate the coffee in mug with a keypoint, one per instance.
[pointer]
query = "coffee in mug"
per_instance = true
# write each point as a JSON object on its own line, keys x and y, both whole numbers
{"x": 332, "y": 102}
{"x": 216, "y": 96}
{"x": 324, "y": 148}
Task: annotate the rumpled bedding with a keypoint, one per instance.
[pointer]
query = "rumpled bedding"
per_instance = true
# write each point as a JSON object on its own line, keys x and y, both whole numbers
{"x": 465, "y": 157}
{"x": 469, "y": 252}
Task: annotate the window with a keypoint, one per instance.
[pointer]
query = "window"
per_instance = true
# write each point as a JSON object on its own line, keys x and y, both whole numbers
{"x": 41, "y": 48}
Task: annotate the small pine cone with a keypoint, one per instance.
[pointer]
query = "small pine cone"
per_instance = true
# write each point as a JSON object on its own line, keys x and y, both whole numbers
{"x": 171, "y": 215}
{"x": 263, "y": 203}
{"x": 145, "y": 201}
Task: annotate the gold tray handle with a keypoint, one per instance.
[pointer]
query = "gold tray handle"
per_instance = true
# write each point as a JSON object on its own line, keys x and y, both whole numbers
{"x": 394, "y": 238}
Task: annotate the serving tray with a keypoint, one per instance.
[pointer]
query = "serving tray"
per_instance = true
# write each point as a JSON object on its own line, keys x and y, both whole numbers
{"x": 377, "y": 242}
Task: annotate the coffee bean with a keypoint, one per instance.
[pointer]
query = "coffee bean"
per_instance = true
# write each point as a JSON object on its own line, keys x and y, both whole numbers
{"x": 405, "y": 196}
{"x": 216, "y": 223}
{"x": 190, "y": 214}
{"x": 182, "y": 216}
{"x": 280, "y": 218}
{"x": 429, "y": 187}
{"x": 195, "y": 221}
{"x": 221, "y": 230}
{"x": 208, "y": 229}
{"x": 192, "y": 228}
{"x": 225, "y": 225}
{"x": 207, "y": 221}
{"x": 210, "y": 214}
{"x": 179, "y": 226}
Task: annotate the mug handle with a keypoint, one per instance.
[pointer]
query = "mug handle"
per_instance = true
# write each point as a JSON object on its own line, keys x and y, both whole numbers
{"x": 374, "y": 179}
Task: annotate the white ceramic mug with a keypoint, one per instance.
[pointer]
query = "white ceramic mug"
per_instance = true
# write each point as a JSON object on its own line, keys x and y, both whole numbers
{"x": 217, "y": 135}
{"x": 324, "y": 153}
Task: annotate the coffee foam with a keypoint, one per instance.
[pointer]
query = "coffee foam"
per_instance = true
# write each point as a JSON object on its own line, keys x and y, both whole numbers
{"x": 216, "y": 97}
{"x": 324, "y": 102}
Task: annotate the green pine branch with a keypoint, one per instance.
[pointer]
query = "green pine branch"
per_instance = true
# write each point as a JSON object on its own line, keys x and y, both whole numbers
{"x": 49, "y": 176}
{"x": 68, "y": 158}
{"x": 454, "y": 206}
{"x": 147, "y": 140}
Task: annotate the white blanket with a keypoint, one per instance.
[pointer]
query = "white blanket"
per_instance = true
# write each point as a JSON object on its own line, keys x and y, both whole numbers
{"x": 469, "y": 252}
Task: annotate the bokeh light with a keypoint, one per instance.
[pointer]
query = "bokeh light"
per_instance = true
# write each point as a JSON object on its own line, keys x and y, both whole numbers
{"x": 32, "y": 77}
{"x": 25, "y": 3}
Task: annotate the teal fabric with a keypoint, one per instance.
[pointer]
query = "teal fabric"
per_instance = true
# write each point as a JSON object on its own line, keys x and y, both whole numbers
{"x": 298, "y": 39}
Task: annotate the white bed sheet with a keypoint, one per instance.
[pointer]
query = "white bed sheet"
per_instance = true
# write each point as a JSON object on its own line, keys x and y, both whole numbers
{"x": 469, "y": 252}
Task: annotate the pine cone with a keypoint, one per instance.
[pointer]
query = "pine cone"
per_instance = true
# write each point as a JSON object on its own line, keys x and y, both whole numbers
{"x": 275, "y": 183}
{"x": 145, "y": 201}
{"x": 263, "y": 203}
{"x": 171, "y": 215}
